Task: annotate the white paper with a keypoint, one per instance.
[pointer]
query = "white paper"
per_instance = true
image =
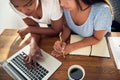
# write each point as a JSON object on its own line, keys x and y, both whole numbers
{"x": 81, "y": 51}
{"x": 115, "y": 47}
{"x": 101, "y": 49}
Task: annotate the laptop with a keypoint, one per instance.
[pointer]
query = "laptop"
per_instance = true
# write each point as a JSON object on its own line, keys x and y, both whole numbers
{"x": 46, "y": 66}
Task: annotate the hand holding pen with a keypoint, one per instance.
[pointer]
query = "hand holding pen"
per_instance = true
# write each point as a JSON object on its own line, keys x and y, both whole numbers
{"x": 59, "y": 47}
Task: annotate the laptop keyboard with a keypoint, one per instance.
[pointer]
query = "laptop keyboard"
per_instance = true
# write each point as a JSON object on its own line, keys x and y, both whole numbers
{"x": 34, "y": 74}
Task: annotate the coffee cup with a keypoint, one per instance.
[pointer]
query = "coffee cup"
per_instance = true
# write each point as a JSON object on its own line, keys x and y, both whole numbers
{"x": 76, "y": 72}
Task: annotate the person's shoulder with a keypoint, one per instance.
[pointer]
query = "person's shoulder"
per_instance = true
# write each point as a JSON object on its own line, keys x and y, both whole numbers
{"x": 50, "y": 1}
{"x": 51, "y": 4}
{"x": 100, "y": 5}
{"x": 100, "y": 8}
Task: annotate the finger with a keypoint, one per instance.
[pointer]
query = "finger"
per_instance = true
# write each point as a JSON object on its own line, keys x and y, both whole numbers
{"x": 25, "y": 59}
{"x": 54, "y": 48}
{"x": 63, "y": 46}
{"x": 34, "y": 63}
{"x": 27, "y": 62}
{"x": 57, "y": 49}
{"x": 29, "y": 66}
{"x": 41, "y": 56}
{"x": 57, "y": 44}
{"x": 55, "y": 54}
{"x": 30, "y": 59}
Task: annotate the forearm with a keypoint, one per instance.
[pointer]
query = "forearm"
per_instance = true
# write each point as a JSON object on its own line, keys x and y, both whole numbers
{"x": 80, "y": 44}
{"x": 35, "y": 39}
{"x": 86, "y": 42}
{"x": 35, "y": 28}
{"x": 43, "y": 31}
{"x": 65, "y": 33}
{"x": 98, "y": 36}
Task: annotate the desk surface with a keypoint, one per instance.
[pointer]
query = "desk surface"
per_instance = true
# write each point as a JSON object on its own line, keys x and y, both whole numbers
{"x": 96, "y": 68}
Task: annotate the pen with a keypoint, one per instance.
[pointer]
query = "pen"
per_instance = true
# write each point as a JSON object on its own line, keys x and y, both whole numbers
{"x": 61, "y": 45}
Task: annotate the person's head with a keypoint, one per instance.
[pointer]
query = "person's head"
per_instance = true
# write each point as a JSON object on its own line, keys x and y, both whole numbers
{"x": 70, "y": 4}
{"x": 27, "y": 7}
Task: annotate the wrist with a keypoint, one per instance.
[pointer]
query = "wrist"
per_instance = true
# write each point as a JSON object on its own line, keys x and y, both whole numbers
{"x": 28, "y": 30}
{"x": 34, "y": 47}
{"x": 33, "y": 44}
{"x": 67, "y": 49}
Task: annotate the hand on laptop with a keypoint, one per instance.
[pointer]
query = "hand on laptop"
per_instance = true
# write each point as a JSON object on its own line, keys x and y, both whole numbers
{"x": 30, "y": 60}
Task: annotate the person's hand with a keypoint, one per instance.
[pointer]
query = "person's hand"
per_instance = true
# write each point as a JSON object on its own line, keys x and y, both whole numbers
{"x": 30, "y": 60}
{"x": 59, "y": 48}
{"x": 55, "y": 53}
{"x": 22, "y": 32}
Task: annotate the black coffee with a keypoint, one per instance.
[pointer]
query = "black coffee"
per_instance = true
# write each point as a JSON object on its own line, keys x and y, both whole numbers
{"x": 76, "y": 73}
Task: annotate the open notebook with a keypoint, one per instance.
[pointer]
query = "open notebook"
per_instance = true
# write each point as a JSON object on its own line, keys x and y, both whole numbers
{"x": 45, "y": 66}
{"x": 100, "y": 49}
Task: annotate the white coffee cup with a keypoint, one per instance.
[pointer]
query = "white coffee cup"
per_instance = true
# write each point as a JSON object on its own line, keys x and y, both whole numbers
{"x": 76, "y": 72}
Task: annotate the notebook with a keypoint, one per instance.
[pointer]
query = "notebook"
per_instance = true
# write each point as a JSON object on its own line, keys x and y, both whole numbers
{"x": 100, "y": 49}
{"x": 115, "y": 47}
{"x": 18, "y": 71}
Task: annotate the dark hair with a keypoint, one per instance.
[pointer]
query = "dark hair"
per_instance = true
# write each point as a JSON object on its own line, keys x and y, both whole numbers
{"x": 91, "y": 2}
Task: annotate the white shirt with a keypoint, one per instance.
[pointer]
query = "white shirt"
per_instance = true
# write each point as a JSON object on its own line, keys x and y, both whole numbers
{"x": 51, "y": 10}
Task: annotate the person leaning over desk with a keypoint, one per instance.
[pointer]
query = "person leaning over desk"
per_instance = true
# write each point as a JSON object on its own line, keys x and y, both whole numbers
{"x": 34, "y": 12}
{"x": 90, "y": 19}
